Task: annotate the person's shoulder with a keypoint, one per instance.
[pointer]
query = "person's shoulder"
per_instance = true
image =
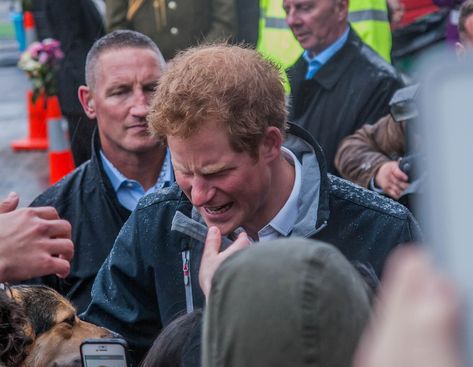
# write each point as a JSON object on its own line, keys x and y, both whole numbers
{"x": 374, "y": 62}
{"x": 168, "y": 195}
{"x": 348, "y": 192}
{"x": 62, "y": 191}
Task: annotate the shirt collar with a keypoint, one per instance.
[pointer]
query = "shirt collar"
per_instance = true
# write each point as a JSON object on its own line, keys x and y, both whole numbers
{"x": 283, "y": 223}
{"x": 331, "y": 50}
{"x": 117, "y": 179}
{"x": 115, "y": 176}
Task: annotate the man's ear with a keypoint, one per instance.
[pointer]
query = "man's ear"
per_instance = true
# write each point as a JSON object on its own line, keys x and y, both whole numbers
{"x": 271, "y": 144}
{"x": 342, "y": 7}
{"x": 86, "y": 100}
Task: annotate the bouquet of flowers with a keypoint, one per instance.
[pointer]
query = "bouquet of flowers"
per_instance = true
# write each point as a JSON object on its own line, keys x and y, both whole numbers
{"x": 40, "y": 61}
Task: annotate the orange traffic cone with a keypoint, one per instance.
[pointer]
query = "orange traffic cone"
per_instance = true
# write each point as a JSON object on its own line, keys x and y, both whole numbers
{"x": 37, "y": 136}
{"x": 30, "y": 29}
{"x": 60, "y": 156}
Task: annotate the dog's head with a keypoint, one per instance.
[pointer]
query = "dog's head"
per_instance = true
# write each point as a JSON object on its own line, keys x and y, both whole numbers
{"x": 51, "y": 331}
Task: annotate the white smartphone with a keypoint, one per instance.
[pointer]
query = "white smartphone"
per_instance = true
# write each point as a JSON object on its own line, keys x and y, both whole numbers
{"x": 446, "y": 125}
{"x": 104, "y": 353}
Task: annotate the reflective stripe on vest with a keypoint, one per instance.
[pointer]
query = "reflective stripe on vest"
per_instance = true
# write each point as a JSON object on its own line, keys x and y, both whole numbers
{"x": 366, "y": 15}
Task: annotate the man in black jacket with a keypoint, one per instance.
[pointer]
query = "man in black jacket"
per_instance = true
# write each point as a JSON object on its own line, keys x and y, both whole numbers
{"x": 242, "y": 169}
{"x": 122, "y": 70}
{"x": 339, "y": 83}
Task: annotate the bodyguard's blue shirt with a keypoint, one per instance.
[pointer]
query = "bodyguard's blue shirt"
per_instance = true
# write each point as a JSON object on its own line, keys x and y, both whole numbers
{"x": 130, "y": 191}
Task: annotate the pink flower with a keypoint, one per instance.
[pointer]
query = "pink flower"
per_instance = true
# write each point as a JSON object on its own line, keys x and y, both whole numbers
{"x": 34, "y": 49}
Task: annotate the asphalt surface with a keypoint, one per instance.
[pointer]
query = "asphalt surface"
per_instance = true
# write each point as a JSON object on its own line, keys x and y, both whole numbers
{"x": 26, "y": 173}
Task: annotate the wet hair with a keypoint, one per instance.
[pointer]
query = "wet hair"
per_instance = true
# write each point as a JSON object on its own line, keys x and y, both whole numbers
{"x": 466, "y": 10}
{"x": 13, "y": 339}
{"x": 233, "y": 86}
{"x": 116, "y": 40}
{"x": 178, "y": 344}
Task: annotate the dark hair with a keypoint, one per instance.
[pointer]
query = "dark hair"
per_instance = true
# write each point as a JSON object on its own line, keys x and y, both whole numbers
{"x": 466, "y": 10}
{"x": 178, "y": 344}
{"x": 113, "y": 41}
{"x": 13, "y": 339}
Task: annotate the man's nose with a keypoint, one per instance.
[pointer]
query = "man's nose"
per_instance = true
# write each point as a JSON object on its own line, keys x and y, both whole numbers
{"x": 201, "y": 191}
{"x": 291, "y": 18}
{"x": 140, "y": 107}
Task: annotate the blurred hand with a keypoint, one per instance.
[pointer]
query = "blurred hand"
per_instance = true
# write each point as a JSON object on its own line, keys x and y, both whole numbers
{"x": 33, "y": 242}
{"x": 417, "y": 319}
{"x": 212, "y": 258}
{"x": 391, "y": 179}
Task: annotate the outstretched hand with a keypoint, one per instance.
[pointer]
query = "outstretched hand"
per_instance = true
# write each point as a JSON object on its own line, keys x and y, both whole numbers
{"x": 33, "y": 242}
{"x": 212, "y": 257}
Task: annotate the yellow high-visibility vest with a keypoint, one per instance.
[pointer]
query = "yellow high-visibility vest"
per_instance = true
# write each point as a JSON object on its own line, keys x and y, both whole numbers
{"x": 275, "y": 40}
{"x": 369, "y": 18}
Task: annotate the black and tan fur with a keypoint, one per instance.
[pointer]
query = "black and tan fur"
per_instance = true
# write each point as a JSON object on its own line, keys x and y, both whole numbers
{"x": 40, "y": 328}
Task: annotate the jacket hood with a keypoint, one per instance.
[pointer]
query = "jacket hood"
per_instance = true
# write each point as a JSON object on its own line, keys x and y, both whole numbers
{"x": 289, "y": 302}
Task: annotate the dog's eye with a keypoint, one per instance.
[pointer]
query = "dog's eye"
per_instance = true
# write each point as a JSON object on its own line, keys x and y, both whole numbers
{"x": 71, "y": 320}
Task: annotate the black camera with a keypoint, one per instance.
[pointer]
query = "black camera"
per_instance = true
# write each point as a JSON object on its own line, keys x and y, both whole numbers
{"x": 403, "y": 105}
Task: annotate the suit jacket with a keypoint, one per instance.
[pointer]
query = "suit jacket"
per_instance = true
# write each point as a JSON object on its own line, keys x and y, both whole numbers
{"x": 176, "y": 24}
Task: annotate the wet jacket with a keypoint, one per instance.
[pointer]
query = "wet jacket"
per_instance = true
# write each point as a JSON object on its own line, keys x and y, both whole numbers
{"x": 174, "y": 24}
{"x": 361, "y": 155}
{"x": 151, "y": 274}
{"x": 352, "y": 89}
{"x": 314, "y": 310}
{"x": 88, "y": 201}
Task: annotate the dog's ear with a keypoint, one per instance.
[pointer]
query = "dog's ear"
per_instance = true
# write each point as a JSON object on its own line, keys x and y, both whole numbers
{"x": 40, "y": 304}
{"x": 14, "y": 341}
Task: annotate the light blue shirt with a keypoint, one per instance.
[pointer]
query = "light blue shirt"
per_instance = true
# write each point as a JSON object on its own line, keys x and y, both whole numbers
{"x": 316, "y": 62}
{"x": 130, "y": 191}
{"x": 283, "y": 223}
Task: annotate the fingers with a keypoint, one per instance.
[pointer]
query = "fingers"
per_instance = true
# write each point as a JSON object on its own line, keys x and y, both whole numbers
{"x": 59, "y": 228}
{"x": 62, "y": 248}
{"x": 212, "y": 257}
{"x": 240, "y": 243}
{"x": 10, "y": 203}
{"x": 399, "y": 175}
{"x": 46, "y": 212}
{"x": 213, "y": 242}
{"x": 61, "y": 267}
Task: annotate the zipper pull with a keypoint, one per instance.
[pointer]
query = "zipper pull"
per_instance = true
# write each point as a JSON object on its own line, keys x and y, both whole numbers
{"x": 185, "y": 269}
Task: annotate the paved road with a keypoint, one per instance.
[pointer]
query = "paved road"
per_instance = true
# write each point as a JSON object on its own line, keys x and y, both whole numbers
{"x": 26, "y": 173}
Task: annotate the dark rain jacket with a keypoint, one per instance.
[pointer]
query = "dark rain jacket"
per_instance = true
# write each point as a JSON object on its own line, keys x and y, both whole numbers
{"x": 88, "y": 201}
{"x": 352, "y": 89}
{"x": 151, "y": 274}
{"x": 312, "y": 313}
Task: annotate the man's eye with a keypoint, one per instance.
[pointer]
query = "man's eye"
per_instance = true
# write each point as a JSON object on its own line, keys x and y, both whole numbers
{"x": 117, "y": 92}
{"x": 150, "y": 87}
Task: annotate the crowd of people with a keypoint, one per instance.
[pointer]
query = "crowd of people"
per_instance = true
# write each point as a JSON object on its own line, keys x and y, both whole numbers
{"x": 210, "y": 225}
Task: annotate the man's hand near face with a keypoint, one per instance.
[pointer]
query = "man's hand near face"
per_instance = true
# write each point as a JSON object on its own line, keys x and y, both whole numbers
{"x": 33, "y": 242}
{"x": 212, "y": 258}
{"x": 391, "y": 179}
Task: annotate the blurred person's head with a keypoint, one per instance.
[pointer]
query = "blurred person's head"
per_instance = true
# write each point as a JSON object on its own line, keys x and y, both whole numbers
{"x": 222, "y": 111}
{"x": 465, "y": 26}
{"x": 316, "y": 23}
{"x": 178, "y": 344}
{"x": 122, "y": 71}
{"x": 289, "y": 302}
